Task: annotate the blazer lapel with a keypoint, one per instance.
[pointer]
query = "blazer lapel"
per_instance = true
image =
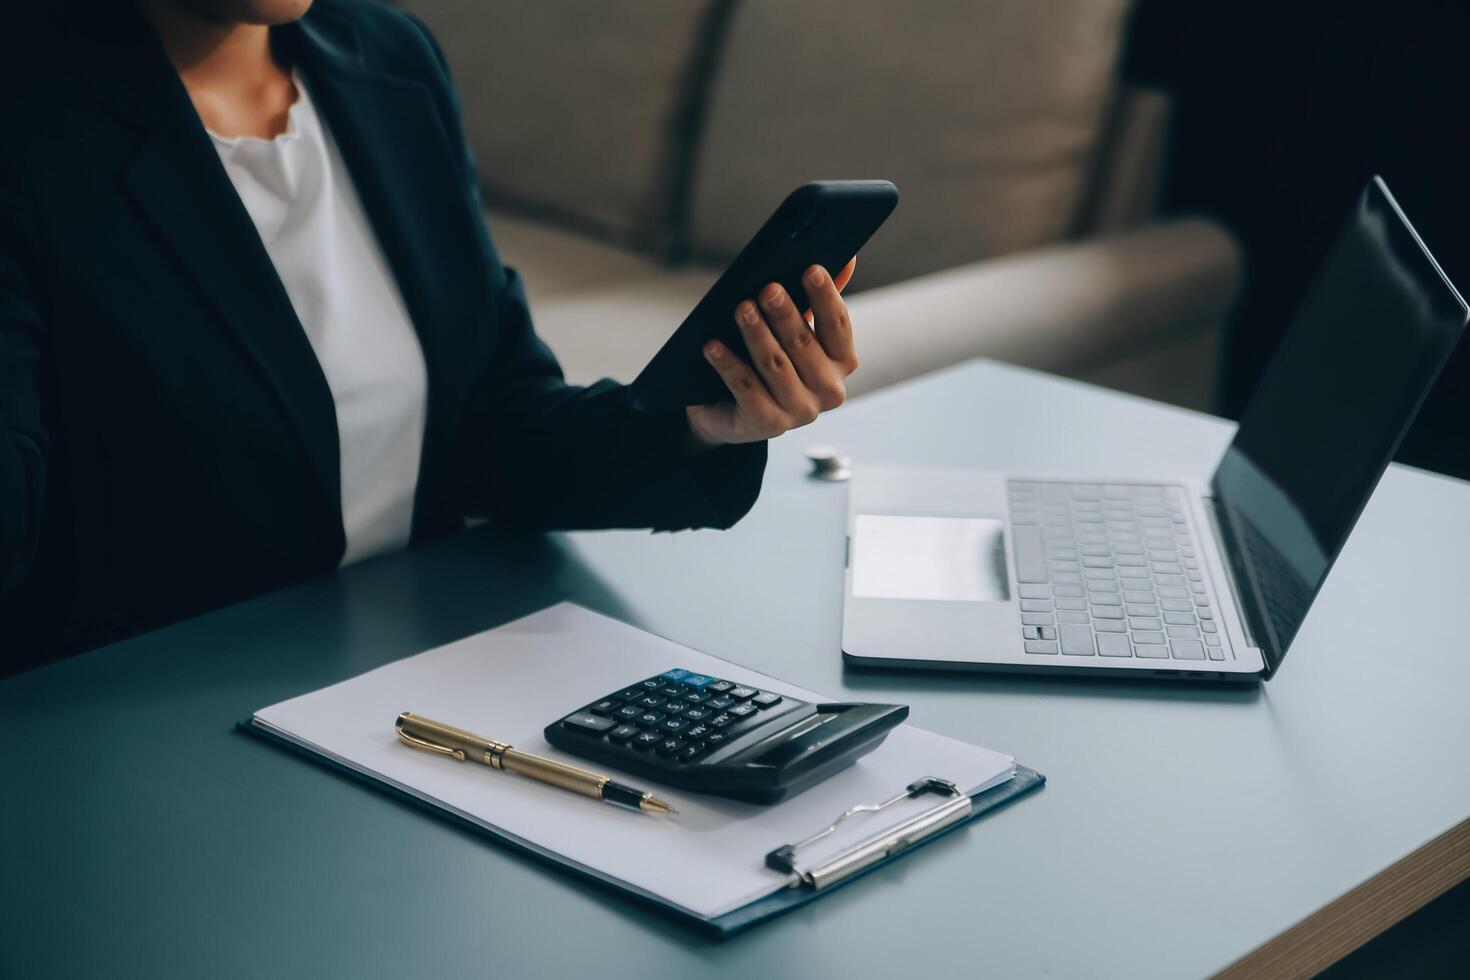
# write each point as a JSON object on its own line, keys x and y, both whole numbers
{"x": 179, "y": 184}
{"x": 401, "y": 161}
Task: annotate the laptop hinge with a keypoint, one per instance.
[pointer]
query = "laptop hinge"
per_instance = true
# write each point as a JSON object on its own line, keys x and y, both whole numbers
{"x": 1244, "y": 608}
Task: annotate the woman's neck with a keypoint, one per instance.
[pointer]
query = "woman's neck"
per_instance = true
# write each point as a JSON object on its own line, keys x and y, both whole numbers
{"x": 237, "y": 86}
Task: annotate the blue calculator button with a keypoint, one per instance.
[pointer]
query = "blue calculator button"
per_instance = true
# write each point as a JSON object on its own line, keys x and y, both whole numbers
{"x": 697, "y": 680}
{"x": 677, "y": 674}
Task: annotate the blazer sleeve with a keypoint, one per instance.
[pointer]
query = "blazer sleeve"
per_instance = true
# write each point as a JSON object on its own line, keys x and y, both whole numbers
{"x": 22, "y": 438}
{"x": 541, "y": 453}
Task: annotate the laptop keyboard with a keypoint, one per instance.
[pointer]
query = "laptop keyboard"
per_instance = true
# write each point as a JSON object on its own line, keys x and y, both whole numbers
{"x": 1109, "y": 570}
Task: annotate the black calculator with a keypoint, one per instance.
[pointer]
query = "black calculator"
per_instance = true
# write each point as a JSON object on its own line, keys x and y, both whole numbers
{"x": 701, "y": 733}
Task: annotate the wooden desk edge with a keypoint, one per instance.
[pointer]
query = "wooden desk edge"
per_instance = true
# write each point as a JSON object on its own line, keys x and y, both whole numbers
{"x": 1341, "y": 926}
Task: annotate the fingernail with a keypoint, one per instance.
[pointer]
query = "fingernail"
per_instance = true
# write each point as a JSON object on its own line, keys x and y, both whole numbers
{"x": 775, "y": 295}
{"x": 713, "y": 351}
{"x": 747, "y": 313}
{"x": 814, "y": 276}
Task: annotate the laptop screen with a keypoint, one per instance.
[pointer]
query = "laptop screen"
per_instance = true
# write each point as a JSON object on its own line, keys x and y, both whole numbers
{"x": 1376, "y": 326}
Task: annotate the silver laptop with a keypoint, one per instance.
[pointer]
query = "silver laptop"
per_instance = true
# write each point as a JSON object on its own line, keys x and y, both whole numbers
{"x": 1169, "y": 578}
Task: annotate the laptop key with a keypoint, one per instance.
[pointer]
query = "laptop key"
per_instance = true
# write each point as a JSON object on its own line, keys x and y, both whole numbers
{"x": 1139, "y": 623}
{"x": 1113, "y": 645}
{"x": 1140, "y": 596}
{"x": 1034, "y": 592}
{"x": 1037, "y": 619}
{"x": 1188, "y": 649}
{"x": 1215, "y": 653}
{"x": 1069, "y": 591}
{"x": 1151, "y": 651}
{"x": 1110, "y": 626}
{"x": 1072, "y": 616}
{"x": 1107, "y": 612}
{"x": 1036, "y": 605}
{"x": 1069, "y": 603}
{"x": 1040, "y": 646}
{"x": 1179, "y": 619}
{"x": 1177, "y": 605}
{"x": 1077, "y": 641}
{"x": 1148, "y": 638}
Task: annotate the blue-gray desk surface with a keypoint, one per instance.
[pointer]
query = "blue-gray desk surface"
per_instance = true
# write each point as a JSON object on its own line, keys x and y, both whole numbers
{"x": 1182, "y": 827}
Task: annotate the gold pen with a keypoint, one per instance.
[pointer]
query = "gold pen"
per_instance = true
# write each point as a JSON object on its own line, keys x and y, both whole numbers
{"x": 435, "y": 736}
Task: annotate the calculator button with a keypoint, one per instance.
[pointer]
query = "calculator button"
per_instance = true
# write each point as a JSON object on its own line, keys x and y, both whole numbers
{"x": 653, "y": 683}
{"x": 696, "y": 697}
{"x": 697, "y": 680}
{"x": 650, "y": 701}
{"x": 720, "y": 701}
{"x": 675, "y": 674}
{"x": 697, "y": 731}
{"x": 632, "y": 693}
{"x": 690, "y": 752}
{"x": 670, "y": 745}
{"x": 720, "y": 720}
{"x": 623, "y": 733}
{"x": 719, "y": 687}
{"x": 650, "y": 718}
{"x": 628, "y": 711}
{"x": 765, "y": 699}
{"x": 742, "y": 710}
{"x": 587, "y": 723}
{"x": 647, "y": 740}
{"x": 671, "y": 690}
{"x": 741, "y": 693}
{"x": 698, "y": 713}
{"x": 673, "y": 724}
{"x": 674, "y": 706}
{"x": 715, "y": 739}
{"x": 605, "y": 707}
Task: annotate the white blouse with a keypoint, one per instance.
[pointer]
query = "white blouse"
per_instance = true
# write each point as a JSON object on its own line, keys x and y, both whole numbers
{"x": 302, "y": 200}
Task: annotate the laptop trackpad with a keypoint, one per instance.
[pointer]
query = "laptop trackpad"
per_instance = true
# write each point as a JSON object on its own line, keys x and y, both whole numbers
{"x": 950, "y": 558}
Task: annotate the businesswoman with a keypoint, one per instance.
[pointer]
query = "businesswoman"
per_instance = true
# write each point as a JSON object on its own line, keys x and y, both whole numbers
{"x": 252, "y": 326}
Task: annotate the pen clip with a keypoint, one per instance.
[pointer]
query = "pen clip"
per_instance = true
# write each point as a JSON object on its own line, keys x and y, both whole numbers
{"x": 419, "y": 743}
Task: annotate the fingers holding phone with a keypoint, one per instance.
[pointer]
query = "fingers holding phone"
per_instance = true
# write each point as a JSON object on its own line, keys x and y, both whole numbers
{"x": 797, "y": 370}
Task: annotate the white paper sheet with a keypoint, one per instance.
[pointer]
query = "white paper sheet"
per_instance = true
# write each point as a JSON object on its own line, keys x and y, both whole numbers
{"x": 510, "y": 682}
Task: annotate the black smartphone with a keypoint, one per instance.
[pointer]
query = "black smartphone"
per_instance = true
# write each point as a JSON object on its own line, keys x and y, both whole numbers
{"x": 822, "y": 223}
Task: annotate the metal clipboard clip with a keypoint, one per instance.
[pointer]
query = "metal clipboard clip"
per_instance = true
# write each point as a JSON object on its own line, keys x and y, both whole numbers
{"x": 956, "y": 807}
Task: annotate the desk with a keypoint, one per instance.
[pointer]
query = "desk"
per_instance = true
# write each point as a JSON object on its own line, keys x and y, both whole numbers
{"x": 1183, "y": 827}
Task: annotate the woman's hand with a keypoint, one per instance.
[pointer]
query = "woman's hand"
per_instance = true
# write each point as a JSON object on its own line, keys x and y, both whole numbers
{"x": 802, "y": 362}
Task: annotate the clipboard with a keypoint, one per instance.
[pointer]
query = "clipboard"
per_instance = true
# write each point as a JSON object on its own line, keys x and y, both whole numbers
{"x": 798, "y": 851}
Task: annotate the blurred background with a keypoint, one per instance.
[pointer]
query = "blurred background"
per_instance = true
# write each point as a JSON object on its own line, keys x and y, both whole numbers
{"x": 1129, "y": 192}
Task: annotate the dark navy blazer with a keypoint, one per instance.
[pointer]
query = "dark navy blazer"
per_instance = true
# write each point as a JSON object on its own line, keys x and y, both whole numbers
{"x": 168, "y": 442}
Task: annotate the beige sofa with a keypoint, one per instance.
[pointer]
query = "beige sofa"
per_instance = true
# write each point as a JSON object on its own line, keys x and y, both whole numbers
{"x": 627, "y": 149}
